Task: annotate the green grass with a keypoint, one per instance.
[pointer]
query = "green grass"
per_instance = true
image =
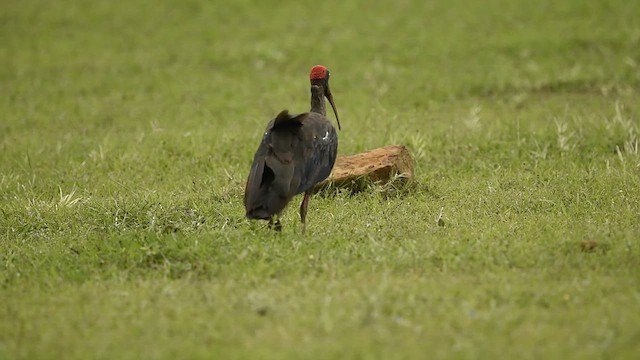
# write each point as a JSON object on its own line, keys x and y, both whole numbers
{"x": 128, "y": 127}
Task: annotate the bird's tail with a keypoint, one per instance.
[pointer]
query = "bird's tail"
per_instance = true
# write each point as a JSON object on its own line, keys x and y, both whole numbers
{"x": 268, "y": 190}
{"x": 271, "y": 181}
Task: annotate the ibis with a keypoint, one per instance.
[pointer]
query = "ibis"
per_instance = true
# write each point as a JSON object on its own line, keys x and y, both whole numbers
{"x": 296, "y": 152}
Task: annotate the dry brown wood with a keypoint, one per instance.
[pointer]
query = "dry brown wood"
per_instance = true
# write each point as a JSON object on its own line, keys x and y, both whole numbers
{"x": 381, "y": 165}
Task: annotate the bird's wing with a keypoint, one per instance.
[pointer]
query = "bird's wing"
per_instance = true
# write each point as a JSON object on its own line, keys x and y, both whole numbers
{"x": 320, "y": 149}
{"x": 271, "y": 181}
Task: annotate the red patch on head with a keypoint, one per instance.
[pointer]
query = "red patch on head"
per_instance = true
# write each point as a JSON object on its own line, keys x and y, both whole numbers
{"x": 318, "y": 72}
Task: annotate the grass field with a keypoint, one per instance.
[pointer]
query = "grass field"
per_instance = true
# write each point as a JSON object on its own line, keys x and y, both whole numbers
{"x": 128, "y": 127}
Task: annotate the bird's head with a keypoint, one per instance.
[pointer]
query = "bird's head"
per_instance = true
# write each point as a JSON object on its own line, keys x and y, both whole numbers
{"x": 320, "y": 77}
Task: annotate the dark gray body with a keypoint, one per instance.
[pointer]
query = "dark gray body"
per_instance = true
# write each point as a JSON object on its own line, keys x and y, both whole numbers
{"x": 296, "y": 153}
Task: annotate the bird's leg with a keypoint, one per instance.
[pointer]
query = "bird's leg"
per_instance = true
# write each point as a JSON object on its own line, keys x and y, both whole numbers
{"x": 303, "y": 209}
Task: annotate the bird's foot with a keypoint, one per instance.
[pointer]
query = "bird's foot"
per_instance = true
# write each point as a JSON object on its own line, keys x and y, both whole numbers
{"x": 277, "y": 226}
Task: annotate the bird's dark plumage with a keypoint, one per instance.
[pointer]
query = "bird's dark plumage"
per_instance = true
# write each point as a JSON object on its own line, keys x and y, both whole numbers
{"x": 296, "y": 153}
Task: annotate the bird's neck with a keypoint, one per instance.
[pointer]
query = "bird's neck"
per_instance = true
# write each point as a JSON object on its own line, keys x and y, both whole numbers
{"x": 317, "y": 100}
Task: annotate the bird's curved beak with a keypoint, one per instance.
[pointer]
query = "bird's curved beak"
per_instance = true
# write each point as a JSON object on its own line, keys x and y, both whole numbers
{"x": 327, "y": 94}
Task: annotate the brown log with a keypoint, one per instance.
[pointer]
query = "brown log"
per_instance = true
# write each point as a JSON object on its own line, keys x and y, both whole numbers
{"x": 381, "y": 165}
